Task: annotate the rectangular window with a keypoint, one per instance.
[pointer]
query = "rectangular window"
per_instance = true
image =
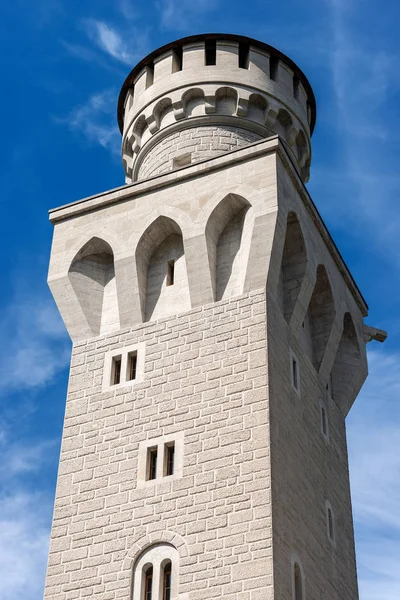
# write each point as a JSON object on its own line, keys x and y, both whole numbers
{"x": 132, "y": 366}
{"x": 211, "y": 52}
{"x": 182, "y": 160}
{"x": 148, "y": 590}
{"x": 152, "y": 463}
{"x": 244, "y": 49}
{"x": 273, "y": 67}
{"x": 177, "y": 55}
{"x": 116, "y": 370}
{"x": 169, "y": 458}
{"x": 170, "y": 272}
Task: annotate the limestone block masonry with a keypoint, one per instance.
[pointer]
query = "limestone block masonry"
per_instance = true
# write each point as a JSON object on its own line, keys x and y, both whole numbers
{"x": 218, "y": 345}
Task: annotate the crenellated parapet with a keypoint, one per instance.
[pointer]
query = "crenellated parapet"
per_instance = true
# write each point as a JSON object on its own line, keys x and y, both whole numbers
{"x": 204, "y": 95}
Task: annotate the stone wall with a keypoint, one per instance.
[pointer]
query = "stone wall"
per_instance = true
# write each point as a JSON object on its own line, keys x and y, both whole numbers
{"x": 204, "y": 378}
{"x": 200, "y": 142}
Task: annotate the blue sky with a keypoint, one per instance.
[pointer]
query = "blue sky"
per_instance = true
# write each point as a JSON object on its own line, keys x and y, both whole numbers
{"x": 62, "y": 64}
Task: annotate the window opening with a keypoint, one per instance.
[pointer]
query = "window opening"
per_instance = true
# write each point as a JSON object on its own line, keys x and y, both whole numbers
{"x": 170, "y": 272}
{"x": 116, "y": 370}
{"x": 148, "y": 587}
{"x": 244, "y": 49}
{"x": 152, "y": 463}
{"x": 296, "y": 83}
{"x": 132, "y": 366}
{"x": 329, "y": 386}
{"x": 150, "y": 75}
{"x": 211, "y": 52}
{"x": 177, "y": 59}
{"x": 324, "y": 421}
{"x": 182, "y": 160}
{"x": 273, "y": 67}
{"x": 167, "y": 582}
{"x": 295, "y": 374}
{"x": 331, "y": 532}
{"x": 169, "y": 459}
{"x": 298, "y": 587}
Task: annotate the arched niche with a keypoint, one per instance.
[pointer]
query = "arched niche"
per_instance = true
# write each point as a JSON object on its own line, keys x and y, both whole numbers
{"x": 163, "y": 113}
{"x": 294, "y": 265}
{"x": 257, "y": 108}
{"x": 320, "y": 316}
{"x": 347, "y": 363}
{"x": 228, "y": 236}
{"x": 193, "y": 102}
{"x": 161, "y": 268}
{"x": 283, "y": 123}
{"x": 226, "y": 101}
{"x": 92, "y": 277}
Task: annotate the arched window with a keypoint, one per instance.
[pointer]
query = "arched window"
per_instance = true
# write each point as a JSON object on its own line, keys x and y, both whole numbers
{"x": 155, "y": 573}
{"x": 298, "y": 588}
{"x": 167, "y": 581}
{"x": 330, "y": 522}
{"x": 148, "y": 583}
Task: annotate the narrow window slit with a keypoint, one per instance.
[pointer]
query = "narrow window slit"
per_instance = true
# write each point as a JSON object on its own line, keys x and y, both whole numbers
{"x": 116, "y": 370}
{"x": 298, "y": 584}
{"x": 295, "y": 374}
{"x": 324, "y": 422}
{"x": 296, "y": 84}
{"x": 169, "y": 458}
{"x": 273, "y": 67}
{"x": 170, "y": 272}
{"x": 132, "y": 366}
{"x": 244, "y": 50}
{"x": 148, "y": 588}
{"x": 331, "y": 532}
{"x": 211, "y": 52}
{"x": 177, "y": 59}
{"x": 152, "y": 463}
{"x": 167, "y": 582}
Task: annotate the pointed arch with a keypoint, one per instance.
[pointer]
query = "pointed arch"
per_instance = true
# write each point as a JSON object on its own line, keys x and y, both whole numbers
{"x": 228, "y": 237}
{"x": 320, "y": 316}
{"x": 347, "y": 362}
{"x": 293, "y": 266}
{"x": 161, "y": 269}
{"x": 92, "y": 276}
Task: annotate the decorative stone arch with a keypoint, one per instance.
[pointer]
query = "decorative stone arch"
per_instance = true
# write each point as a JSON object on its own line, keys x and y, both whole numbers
{"x": 257, "y": 108}
{"x": 226, "y": 101}
{"x": 193, "y": 102}
{"x": 163, "y": 113}
{"x": 347, "y": 364}
{"x": 293, "y": 266}
{"x": 156, "y": 537}
{"x": 320, "y": 316}
{"x": 92, "y": 277}
{"x": 228, "y": 237}
{"x": 284, "y": 123}
{"x": 138, "y": 129}
{"x": 159, "y": 249}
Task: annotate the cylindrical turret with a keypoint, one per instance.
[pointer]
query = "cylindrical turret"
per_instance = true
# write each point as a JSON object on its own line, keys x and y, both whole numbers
{"x": 204, "y": 95}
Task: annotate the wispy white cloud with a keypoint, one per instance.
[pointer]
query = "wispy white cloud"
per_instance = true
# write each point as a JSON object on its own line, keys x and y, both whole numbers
{"x": 125, "y": 44}
{"x": 24, "y": 535}
{"x": 96, "y": 121}
{"x": 364, "y": 78}
{"x": 182, "y": 14}
{"x": 374, "y": 439}
{"x": 34, "y": 346}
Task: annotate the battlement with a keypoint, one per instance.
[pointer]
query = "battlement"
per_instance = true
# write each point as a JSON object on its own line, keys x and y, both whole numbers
{"x": 204, "y": 95}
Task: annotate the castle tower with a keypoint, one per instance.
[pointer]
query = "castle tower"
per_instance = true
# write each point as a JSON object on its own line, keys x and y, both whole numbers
{"x": 218, "y": 345}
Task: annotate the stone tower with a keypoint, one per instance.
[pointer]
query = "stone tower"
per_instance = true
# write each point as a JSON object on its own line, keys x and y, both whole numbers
{"x": 218, "y": 345}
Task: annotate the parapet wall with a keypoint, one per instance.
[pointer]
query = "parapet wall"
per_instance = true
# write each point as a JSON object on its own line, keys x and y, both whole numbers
{"x": 213, "y": 81}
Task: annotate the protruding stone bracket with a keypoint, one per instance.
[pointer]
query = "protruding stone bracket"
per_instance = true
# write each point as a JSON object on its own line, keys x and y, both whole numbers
{"x": 372, "y": 333}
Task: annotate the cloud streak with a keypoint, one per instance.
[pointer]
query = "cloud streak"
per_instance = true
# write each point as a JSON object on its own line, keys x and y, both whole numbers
{"x": 374, "y": 437}
{"x": 95, "y": 119}
{"x": 180, "y": 15}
